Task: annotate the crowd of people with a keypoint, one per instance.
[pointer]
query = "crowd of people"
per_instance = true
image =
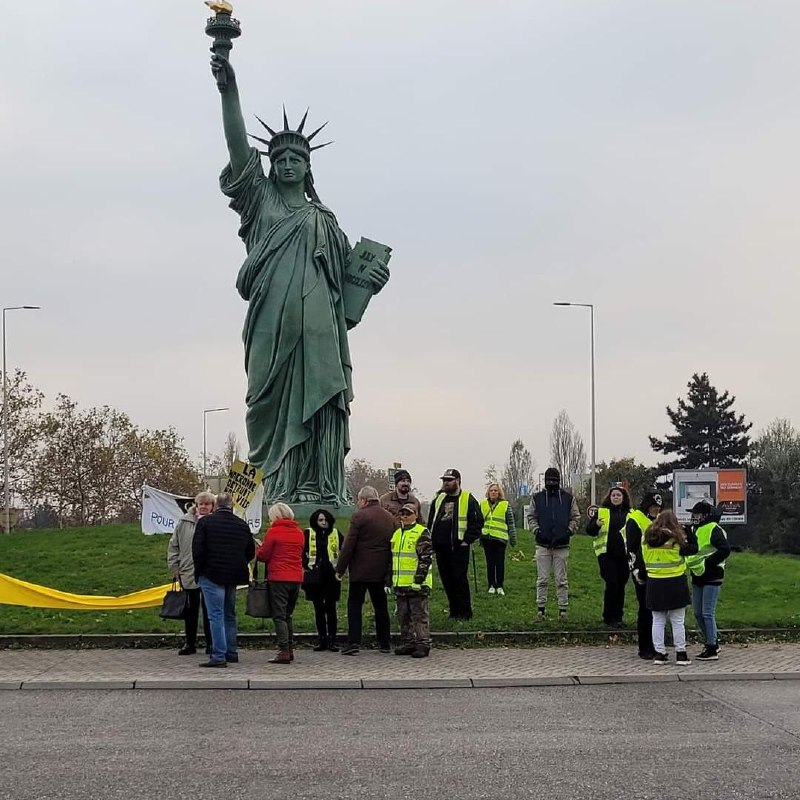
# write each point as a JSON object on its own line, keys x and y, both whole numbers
{"x": 389, "y": 552}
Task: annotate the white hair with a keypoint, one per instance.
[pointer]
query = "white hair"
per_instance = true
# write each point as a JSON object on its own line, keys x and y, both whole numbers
{"x": 368, "y": 493}
{"x": 280, "y": 511}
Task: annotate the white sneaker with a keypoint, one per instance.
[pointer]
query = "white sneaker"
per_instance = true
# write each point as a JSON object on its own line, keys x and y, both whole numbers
{"x": 491, "y": 590}
{"x": 501, "y": 592}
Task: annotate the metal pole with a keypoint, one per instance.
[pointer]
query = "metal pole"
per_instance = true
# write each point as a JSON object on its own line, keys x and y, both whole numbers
{"x": 594, "y": 429}
{"x": 6, "y": 479}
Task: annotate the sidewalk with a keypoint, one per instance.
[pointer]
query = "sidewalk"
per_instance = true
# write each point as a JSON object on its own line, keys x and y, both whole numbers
{"x": 445, "y": 668}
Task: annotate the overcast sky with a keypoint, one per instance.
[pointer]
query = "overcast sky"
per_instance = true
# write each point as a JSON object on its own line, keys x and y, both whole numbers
{"x": 638, "y": 156}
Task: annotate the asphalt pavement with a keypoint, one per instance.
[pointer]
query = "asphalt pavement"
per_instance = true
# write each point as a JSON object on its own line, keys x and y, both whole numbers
{"x": 643, "y": 741}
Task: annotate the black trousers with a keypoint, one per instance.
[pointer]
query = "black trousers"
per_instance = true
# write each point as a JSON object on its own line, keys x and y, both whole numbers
{"x": 325, "y": 618}
{"x": 615, "y": 573}
{"x": 453, "y": 572}
{"x": 355, "y": 606}
{"x": 644, "y": 621}
{"x": 196, "y": 602}
{"x": 495, "y": 552}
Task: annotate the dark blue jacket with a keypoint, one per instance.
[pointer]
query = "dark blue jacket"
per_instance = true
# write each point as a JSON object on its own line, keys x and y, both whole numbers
{"x": 555, "y": 518}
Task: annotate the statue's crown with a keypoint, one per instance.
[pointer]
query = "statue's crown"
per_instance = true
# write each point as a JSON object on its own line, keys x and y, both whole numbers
{"x": 289, "y": 138}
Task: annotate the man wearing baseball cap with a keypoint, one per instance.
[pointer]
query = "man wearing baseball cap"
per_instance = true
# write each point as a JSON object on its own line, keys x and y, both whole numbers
{"x": 400, "y": 496}
{"x": 455, "y": 522}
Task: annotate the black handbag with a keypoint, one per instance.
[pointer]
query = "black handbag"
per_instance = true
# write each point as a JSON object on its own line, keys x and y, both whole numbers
{"x": 176, "y": 602}
{"x": 259, "y": 602}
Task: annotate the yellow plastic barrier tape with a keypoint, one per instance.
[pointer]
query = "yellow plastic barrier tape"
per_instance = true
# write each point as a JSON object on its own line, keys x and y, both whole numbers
{"x": 14, "y": 592}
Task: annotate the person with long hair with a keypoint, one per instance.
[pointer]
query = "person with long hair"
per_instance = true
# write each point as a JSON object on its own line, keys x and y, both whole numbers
{"x": 498, "y": 531}
{"x": 664, "y": 550}
{"x": 323, "y": 543}
{"x": 282, "y": 552}
{"x": 607, "y": 525}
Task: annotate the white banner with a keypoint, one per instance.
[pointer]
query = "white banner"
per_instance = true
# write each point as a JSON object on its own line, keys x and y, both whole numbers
{"x": 162, "y": 510}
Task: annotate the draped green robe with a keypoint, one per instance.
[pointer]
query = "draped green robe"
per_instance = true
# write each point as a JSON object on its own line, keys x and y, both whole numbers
{"x": 299, "y": 383}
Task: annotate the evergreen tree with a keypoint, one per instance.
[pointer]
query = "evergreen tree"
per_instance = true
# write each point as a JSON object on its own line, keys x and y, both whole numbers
{"x": 708, "y": 433}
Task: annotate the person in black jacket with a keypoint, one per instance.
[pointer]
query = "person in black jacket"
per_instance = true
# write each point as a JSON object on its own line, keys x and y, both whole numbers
{"x": 323, "y": 543}
{"x": 639, "y": 521}
{"x": 608, "y": 529}
{"x": 455, "y": 522}
{"x": 553, "y": 518}
{"x": 222, "y": 548}
{"x": 708, "y": 572}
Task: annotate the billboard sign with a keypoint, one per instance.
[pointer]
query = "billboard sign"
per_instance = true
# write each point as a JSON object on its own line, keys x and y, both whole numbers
{"x": 726, "y": 488}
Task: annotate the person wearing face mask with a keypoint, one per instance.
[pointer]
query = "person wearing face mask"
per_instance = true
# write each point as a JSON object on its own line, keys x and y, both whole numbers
{"x": 639, "y": 520}
{"x": 400, "y": 496}
{"x": 553, "y": 518}
{"x": 181, "y": 565}
{"x": 323, "y": 543}
{"x": 607, "y": 525}
{"x": 455, "y": 522}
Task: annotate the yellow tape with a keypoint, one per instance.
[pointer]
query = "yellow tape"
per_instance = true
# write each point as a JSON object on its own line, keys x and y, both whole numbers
{"x": 14, "y": 592}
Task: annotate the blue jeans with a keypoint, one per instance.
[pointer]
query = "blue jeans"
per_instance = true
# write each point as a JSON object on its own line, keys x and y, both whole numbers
{"x": 221, "y": 606}
{"x": 704, "y": 604}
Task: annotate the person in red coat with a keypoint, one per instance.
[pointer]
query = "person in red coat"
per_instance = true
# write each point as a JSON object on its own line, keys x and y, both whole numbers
{"x": 282, "y": 552}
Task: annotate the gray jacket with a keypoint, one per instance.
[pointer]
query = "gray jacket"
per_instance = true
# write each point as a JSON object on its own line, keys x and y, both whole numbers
{"x": 179, "y": 552}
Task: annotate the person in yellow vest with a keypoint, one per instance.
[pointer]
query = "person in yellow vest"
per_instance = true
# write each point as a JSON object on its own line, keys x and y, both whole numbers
{"x": 498, "y": 530}
{"x": 323, "y": 543}
{"x": 455, "y": 522}
{"x": 412, "y": 579}
{"x": 639, "y": 520}
{"x": 708, "y": 572}
{"x": 665, "y": 547}
{"x": 607, "y": 525}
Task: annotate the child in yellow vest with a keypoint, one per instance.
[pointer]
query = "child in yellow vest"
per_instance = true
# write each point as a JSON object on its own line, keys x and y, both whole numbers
{"x": 664, "y": 549}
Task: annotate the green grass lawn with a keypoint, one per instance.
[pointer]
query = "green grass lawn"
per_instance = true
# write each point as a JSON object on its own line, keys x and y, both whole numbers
{"x": 760, "y": 591}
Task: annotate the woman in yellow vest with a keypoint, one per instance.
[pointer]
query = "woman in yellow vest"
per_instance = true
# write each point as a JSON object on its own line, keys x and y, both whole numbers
{"x": 607, "y": 525}
{"x": 498, "y": 530}
{"x": 664, "y": 549}
{"x": 322, "y": 547}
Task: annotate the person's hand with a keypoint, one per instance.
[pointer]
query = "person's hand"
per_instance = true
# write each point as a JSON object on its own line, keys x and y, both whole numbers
{"x": 465, "y": 544}
{"x": 176, "y": 575}
{"x": 388, "y": 590}
{"x": 591, "y": 512}
{"x": 338, "y": 577}
{"x": 417, "y": 587}
{"x": 222, "y": 71}
{"x": 636, "y": 578}
{"x": 378, "y": 275}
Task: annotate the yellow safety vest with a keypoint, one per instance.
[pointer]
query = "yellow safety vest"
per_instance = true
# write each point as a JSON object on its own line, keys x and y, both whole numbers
{"x": 333, "y": 546}
{"x": 404, "y": 556}
{"x": 643, "y": 522}
{"x": 600, "y": 542}
{"x": 494, "y": 520}
{"x": 697, "y": 562}
{"x": 463, "y": 505}
{"x": 663, "y": 562}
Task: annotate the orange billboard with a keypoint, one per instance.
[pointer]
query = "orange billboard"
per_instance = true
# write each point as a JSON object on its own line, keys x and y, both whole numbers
{"x": 732, "y": 494}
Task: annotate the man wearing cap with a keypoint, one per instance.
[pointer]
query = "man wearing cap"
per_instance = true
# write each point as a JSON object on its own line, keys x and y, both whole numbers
{"x": 400, "y": 496}
{"x": 639, "y": 520}
{"x": 553, "y": 518}
{"x": 412, "y": 553}
{"x": 455, "y": 522}
{"x": 708, "y": 571}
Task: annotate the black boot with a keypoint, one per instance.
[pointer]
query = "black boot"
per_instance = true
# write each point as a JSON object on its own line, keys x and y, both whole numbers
{"x": 321, "y": 645}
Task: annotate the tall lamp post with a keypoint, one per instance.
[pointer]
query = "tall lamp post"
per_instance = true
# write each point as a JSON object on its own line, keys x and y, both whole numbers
{"x": 206, "y": 412}
{"x": 590, "y": 306}
{"x": 7, "y": 521}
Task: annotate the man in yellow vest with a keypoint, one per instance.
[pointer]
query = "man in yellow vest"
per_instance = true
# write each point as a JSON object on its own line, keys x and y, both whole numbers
{"x": 455, "y": 522}
{"x": 412, "y": 579}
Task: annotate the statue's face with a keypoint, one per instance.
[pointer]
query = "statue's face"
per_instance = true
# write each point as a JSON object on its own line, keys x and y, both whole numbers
{"x": 290, "y": 168}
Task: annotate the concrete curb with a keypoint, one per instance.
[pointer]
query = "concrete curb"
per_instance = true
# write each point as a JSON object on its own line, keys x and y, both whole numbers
{"x": 259, "y": 684}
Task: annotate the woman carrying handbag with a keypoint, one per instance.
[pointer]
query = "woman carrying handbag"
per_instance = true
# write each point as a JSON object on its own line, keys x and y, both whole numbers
{"x": 323, "y": 543}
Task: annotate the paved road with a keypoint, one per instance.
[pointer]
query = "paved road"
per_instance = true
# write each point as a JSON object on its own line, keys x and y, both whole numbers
{"x": 669, "y": 741}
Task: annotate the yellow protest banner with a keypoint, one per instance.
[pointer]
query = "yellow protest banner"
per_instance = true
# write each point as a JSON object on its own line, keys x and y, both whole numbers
{"x": 243, "y": 484}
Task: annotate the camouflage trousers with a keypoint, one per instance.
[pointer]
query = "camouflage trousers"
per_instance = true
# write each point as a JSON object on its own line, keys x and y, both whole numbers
{"x": 412, "y": 617}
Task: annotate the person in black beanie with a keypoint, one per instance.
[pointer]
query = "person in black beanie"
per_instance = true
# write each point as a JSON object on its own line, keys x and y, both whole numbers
{"x": 639, "y": 520}
{"x": 553, "y": 518}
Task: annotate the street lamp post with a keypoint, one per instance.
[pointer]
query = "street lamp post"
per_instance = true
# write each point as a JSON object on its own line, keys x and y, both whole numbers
{"x": 590, "y": 306}
{"x": 7, "y": 492}
{"x": 206, "y": 412}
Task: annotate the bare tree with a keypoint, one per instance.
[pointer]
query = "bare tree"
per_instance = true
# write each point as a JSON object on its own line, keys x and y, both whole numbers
{"x": 567, "y": 453}
{"x": 518, "y": 471}
{"x": 230, "y": 452}
{"x": 491, "y": 474}
{"x": 359, "y": 473}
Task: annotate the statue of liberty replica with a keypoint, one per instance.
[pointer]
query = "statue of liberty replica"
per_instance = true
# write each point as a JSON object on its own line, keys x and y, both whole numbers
{"x": 305, "y": 288}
